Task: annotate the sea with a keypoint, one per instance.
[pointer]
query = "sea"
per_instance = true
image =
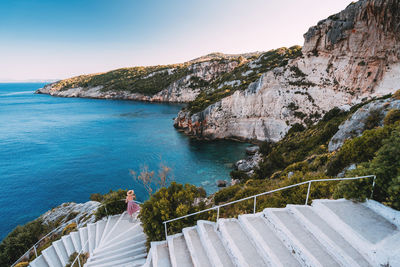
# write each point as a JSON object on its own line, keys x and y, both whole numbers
{"x": 55, "y": 150}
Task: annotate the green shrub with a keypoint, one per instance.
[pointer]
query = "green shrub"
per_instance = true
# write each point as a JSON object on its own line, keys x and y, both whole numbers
{"x": 226, "y": 194}
{"x": 22, "y": 264}
{"x": 69, "y": 228}
{"x": 20, "y": 240}
{"x": 386, "y": 166}
{"x": 374, "y": 119}
{"x": 396, "y": 95}
{"x": 391, "y": 117}
{"x": 113, "y": 203}
{"x": 239, "y": 175}
{"x": 167, "y": 203}
{"x": 82, "y": 259}
{"x": 96, "y": 197}
{"x": 297, "y": 127}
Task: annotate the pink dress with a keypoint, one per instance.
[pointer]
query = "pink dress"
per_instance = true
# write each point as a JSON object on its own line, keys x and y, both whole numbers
{"x": 132, "y": 207}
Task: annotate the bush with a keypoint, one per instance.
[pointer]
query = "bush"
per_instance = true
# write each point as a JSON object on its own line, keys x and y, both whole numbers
{"x": 82, "y": 259}
{"x": 386, "y": 166}
{"x": 374, "y": 119}
{"x": 69, "y": 228}
{"x": 226, "y": 194}
{"x": 167, "y": 203}
{"x": 22, "y": 264}
{"x": 112, "y": 204}
{"x": 239, "y": 175}
{"x": 391, "y": 117}
{"x": 297, "y": 127}
{"x": 396, "y": 95}
{"x": 265, "y": 147}
{"x": 96, "y": 197}
{"x": 20, "y": 240}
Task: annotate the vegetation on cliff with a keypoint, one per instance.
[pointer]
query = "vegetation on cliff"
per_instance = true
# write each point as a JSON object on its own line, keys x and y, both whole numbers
{"x": 240, "y": 78}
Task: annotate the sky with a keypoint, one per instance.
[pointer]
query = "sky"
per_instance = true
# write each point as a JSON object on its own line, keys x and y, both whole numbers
{"x": 55, "y": 39}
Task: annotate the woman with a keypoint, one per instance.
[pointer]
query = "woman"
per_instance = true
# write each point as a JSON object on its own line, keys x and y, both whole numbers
{"x": 132, "y": 206}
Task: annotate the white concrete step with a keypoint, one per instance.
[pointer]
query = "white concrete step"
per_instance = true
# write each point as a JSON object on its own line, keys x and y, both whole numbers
{"x": 100, "y": 225}
{"x": 366, "y": 223}
{"x": 299, "y": 238}
{"x": 344, "y": 251}
{"x": 214, "y": 247}
{"x": 123, "y": 243}
{"x": 76, "y": 240}
{"x": 68, "y": 244}
{"x": 178, "y": 251}
{"x": 51, "y": 257}
{"x": 111, "y": 221}
{"x": 270, "y": 245}
{"x": 91, "y": 236}
{"x": 139, "y": 259}
{"x": 117, "y": 256}
{"x": 242, "y": 248}
{"x": 107, "y": 253}
{"x": 130, "y": 231}
{"x": 160, "y": 254}
{"x": 135, "y": 263}
{"x": 196, "y": 249}
{"x": 61, "y": 251}
{"x": 115, "y": 228}
{"x": 83, "y": 234}
{"x": 39, "y": 262}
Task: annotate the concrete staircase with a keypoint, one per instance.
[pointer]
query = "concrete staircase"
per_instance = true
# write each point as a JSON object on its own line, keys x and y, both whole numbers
{"x": 328, "y": 233}
{"x": 112, "y": 242}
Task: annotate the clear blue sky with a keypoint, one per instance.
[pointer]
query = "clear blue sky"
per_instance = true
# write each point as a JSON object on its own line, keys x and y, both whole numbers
{"x": 43, "y": 39}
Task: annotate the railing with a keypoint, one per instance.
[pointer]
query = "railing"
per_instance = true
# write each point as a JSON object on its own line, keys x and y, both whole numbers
{"x": 34, "y": 247}
{"x": 269, "y": 192}
{"x": 80, "y": 252}
{"x": 37, "y": 243}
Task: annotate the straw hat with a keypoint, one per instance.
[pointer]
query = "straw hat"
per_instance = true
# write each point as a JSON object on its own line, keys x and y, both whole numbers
{"x": 130, "y": 192}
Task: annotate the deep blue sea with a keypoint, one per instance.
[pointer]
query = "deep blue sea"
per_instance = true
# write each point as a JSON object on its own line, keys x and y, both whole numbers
{"x": 55, "y": 150}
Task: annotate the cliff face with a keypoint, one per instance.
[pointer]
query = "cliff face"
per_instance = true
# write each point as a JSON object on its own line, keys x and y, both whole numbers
{"x": 174, "y": 83}
{"x": 347, "y": 57}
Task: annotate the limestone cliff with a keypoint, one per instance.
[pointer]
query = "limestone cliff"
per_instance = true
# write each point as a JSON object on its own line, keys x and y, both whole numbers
{"x": 348, "y": 57}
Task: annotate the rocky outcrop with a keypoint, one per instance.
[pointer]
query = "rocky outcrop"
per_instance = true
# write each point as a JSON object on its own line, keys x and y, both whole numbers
{"x": 348, "y": 57}
{"x": 182, "y": 90}
{"x": 80, "y": 213}
{"x": 355, "y": 125}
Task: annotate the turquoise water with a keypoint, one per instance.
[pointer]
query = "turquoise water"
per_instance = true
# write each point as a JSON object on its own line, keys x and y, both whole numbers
{"x": 55, "y": 150}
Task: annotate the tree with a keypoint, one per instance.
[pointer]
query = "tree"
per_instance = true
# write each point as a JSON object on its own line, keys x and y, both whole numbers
{"x": 147, "y": 178}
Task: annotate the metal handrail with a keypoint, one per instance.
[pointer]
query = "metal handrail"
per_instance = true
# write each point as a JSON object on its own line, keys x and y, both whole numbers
{"x": 269, "y": 192}
{"x": 80, "y": 252}
{"x": 56, "y": 229}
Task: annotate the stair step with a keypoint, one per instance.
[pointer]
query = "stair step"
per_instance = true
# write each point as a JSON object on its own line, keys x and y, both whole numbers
{"x": 108, "y": 253}
{"x": 215, "y": 249}
{"x": 76, "y": 240}
{"x": 135, "y": 263}
{"x": 69, "y": 246}
{"x": 178, "y": 251}
{"x": 133, "y": 230}
{"x": 117, "y": 256}
{"x": 325, "y": 232}
{"x": 122, "y": 243}
{"x": 196, "y": 249}
{"x": 91, "y": 236}
{"x": 83, "y": 234}
{"x": 61, "y": 251}
{"x": 266, "y": 239}
{"x": 302, "y": 241}
{"x": 116, "y": 228}
{"x": 160, "y": 254}
{"x": 39, "y": 262}
{"x": 242, "y": 249}
{"x": 111, "y": 221}
{"x": 140, "y": 259}
{"x": 100, "y": 225}
{"x": 51, "y": 257}
{"x": 364, "y": 221}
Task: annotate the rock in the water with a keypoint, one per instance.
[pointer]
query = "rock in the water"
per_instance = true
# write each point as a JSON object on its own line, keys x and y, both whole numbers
{"x": 221, "y": 183}
{"x": 248, "y": 164}
{"x": 252, "y": 150}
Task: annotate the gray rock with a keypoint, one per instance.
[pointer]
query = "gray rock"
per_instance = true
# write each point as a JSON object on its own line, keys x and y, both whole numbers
{"x": 221, "y": 183}
{"x": 290, "y": 174}
{"x": 251, "y": 150}
{"x": 354, "y": 126}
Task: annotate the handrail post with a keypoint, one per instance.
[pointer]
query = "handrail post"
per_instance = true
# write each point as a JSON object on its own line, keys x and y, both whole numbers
{"x": 79, "y": 262}
{"x": 255, "y": 203}
{"x": 308, "y": 192}
{"x": 373, "y": 186}
{"x": 34, "y": 248}
{"x": 166, "y": 233}
{"x": 217, "y": 214}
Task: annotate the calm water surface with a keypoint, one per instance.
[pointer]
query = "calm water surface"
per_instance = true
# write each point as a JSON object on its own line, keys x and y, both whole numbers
{"x": 55, "y": 150}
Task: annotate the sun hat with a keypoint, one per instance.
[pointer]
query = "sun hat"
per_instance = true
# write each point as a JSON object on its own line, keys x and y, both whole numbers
{"x": 130, "y": 192}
